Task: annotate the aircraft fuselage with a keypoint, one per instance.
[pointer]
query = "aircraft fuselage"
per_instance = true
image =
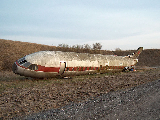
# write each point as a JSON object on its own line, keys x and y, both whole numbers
{"x": 45, "y": 64}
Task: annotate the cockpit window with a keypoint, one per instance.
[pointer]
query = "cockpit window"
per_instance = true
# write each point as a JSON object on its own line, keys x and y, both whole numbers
{"x": 27, "y": 64}
{"x": 22, "y": 61}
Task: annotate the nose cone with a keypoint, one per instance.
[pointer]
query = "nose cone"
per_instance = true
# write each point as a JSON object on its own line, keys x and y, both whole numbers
{"x": 14, "y": 68}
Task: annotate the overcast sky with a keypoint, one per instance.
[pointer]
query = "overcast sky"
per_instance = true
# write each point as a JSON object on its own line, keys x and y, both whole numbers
{"x": 124, "y": 24}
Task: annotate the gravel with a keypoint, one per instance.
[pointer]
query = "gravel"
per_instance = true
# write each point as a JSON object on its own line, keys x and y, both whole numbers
{"x": 141, "y": 102}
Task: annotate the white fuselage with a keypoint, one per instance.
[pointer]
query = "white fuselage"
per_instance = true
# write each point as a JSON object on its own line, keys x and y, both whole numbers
{"x": 51, "y": 63}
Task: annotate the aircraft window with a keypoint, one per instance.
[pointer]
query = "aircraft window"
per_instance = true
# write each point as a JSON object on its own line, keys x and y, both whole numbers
{"x": 77, "y": 68}
{"x": 22, "y": 61}
{"x": 86, "y": 68}
{"x": 81, "y": 68}
{"x": 26, "y": 64}
{"x": 33, "y": 67}
{"x": 67, "y": 69}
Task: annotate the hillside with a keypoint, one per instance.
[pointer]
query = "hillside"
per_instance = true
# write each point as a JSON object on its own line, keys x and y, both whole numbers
{"x": 21, "y": 96}
{"x": 10, "y": 51}
{"x": 149, "y": 57}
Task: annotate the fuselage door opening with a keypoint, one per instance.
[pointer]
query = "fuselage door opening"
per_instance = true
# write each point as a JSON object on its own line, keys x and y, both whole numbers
{"x": 62, "y": 67}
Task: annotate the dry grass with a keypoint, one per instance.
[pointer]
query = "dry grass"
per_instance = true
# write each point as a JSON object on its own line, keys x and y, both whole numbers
{"x": 148, "y": 57}
{"x": 20, "y": 96}
{"x": 10, "y": 51}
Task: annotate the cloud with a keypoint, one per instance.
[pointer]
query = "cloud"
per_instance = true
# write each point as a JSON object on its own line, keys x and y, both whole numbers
{"x": 123, "y": 24}
{"x": 148, "y": 41}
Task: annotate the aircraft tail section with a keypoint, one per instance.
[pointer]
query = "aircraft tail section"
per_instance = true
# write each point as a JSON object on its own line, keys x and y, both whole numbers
{"x": 137, "y": 53}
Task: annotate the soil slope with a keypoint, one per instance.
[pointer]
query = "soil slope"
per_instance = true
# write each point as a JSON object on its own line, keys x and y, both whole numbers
{"x": 148, "y": 57}
{"x": 10, "y": 51}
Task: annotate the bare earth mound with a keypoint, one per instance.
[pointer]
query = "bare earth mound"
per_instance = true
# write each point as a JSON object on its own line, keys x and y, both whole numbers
{"x": 148, "y": 57}
{"x": 10, "y": 51}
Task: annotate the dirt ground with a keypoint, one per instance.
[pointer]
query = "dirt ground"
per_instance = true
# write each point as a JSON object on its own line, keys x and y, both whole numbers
{"x": 20, "y": 96}
{"x": 137, "y": 103}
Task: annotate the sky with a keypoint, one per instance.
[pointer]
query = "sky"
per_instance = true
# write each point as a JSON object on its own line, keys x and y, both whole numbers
{"x": 124, "y": 24}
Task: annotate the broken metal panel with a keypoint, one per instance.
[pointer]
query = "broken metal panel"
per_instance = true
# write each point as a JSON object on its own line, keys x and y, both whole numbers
{"x": 52, "y": 58}
{"x": 44, "y": 58}
{"x": 51, "y": 63}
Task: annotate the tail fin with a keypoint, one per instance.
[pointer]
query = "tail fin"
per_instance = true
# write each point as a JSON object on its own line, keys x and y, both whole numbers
{"x": 137, "y": 53}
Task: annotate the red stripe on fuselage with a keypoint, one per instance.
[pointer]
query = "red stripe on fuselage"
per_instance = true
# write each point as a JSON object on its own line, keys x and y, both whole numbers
{"x": 43, "y": 68}
{"x": 47, "y": 69}
{"x": 56, "y": 69}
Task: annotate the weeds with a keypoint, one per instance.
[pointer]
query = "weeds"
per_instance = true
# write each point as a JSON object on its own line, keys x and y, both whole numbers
{"x": 10, "y": 76}
{"x": 25, "y": 94}
{"x": 9, "y": 80}
{"x": 10, "y": 51}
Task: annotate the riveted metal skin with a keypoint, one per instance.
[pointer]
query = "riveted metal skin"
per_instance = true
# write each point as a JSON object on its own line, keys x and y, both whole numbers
{"x": 45, "y": 64}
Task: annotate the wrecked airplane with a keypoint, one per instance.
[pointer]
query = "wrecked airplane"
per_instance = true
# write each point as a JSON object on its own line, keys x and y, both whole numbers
{"x": 46, "y": 64}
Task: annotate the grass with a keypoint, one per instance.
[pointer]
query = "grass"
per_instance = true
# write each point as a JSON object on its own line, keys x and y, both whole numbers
{"x": 54, "y": 92}
{"x": 9, "y": 80}
{"x": 10, "y": 51}
{"x": 28, "y": 95}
